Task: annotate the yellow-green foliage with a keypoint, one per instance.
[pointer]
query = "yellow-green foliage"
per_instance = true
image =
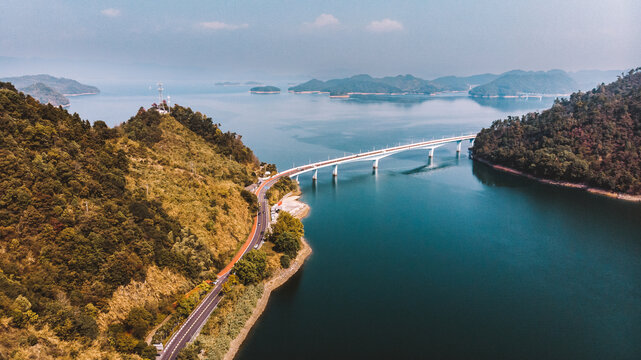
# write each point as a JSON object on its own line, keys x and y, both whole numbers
{"x": 195, "y": 184}
{"x": 228, "y": 320}
{"x": 42, "y": 343}
{"x": 157, "y": 287}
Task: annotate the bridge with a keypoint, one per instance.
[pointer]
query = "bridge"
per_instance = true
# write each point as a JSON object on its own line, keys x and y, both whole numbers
{"x": 375, "y": 155}
{"x": 196, "y": 320}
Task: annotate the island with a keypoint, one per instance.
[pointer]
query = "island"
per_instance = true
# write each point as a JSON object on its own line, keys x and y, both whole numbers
{"x": 591, "y": 141}
{"x": 514, "y": 83}
{"x": 49, "y": 89}
{"x": 367, "y": 85}
{"x": 227, "y": 83}
{"x": 265, "y": 90}
{"x": 518, "y": 83}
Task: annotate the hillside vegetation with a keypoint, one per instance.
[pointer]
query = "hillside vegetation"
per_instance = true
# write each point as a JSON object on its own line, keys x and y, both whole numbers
{"x": 592, "y": 138}
{"x": 101, "y": 229}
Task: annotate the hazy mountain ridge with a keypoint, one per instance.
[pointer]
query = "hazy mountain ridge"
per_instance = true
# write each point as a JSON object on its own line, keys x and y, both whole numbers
{"x": 62, "y": 85}
{"x": 518, "y": 82}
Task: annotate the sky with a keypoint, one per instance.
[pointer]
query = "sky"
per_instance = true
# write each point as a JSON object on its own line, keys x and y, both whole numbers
{"x": 244, "y": 38}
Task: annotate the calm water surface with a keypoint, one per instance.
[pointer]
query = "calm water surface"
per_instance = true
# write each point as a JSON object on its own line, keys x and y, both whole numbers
{"x": 449, "y": 260}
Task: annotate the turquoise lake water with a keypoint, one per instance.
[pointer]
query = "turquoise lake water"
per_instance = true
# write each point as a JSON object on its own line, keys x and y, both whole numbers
{"x": 449, "y": 260}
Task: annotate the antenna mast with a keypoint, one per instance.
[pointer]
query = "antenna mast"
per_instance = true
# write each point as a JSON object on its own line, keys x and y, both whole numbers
{"x": 162, "y": 106}
{"x": 160, "y": 90}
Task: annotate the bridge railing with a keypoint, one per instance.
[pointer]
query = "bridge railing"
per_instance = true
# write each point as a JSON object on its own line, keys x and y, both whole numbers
{"x": 378, "y": 154}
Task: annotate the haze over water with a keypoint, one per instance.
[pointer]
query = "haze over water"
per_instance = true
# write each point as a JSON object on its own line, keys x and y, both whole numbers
{"x": 448, "y": 260}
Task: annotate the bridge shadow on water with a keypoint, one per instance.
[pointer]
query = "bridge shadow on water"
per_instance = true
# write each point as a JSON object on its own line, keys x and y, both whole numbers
{"x": 431, "y": 166}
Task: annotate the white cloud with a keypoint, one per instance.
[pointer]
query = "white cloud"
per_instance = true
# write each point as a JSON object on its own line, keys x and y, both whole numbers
{"x": 219, "y": 25}
{"x": 385, "y": 25}
{"x": 323, "y": 20}
{"x": 110, "y": 12}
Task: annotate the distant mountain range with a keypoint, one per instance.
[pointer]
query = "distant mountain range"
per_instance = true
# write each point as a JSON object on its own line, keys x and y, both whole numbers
{"x": 511, "y": 83}
{"x": 48, "y": 89}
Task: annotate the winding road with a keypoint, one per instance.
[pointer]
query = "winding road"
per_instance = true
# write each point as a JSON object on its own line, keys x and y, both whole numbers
{"x": 191, "y": 327}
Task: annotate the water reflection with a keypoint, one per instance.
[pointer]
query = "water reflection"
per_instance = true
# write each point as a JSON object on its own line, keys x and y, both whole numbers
{"x": 492, "y": 177}
{"x": 516, "y": 104}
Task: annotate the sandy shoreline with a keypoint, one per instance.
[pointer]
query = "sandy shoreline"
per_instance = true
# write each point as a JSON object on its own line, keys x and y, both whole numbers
{"x": 278, "y": 279}
{"x": 602, "y": 192}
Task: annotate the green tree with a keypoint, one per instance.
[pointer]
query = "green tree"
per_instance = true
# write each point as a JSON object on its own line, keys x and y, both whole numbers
{"x": 285, "y": 261}
{"x": 287, "y": 223}
{"x": 252, "y": 268}
{"x": 138, "y": 321}
{"x": 287, "y": 243}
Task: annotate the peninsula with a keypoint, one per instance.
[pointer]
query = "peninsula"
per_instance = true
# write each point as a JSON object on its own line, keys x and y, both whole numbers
{"x": 48, "y": 89}
{"x": 591, "y": 140}
{"x": 365, "y": 85}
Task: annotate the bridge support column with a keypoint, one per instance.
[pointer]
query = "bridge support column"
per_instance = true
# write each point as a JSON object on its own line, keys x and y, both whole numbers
{"x": 335, "y": 172}
{"x": 296, "y": 179}
{"x": 375, "y": 165}
{"x": 315, "y": 176}
{"x": 458, "y": 146}
{"x": 431, "y": 153}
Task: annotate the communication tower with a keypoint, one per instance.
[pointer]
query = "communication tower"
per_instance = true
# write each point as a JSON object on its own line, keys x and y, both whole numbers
{"x": 163, "y": 107}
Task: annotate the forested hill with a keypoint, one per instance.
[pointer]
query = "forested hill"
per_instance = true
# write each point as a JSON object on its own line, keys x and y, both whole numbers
{"x": 592, "y": 138}
{"x": 101, "y": 228}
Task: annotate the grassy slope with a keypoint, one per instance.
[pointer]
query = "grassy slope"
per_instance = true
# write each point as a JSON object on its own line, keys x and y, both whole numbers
{"x": 184, "y": 173}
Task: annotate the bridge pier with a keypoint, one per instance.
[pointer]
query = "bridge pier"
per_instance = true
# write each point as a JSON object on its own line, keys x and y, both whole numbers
{"x": 296, "y": 179}
{"x": 431, "y": 155}
{"x": 458, "y": 146}
{"x": 335, "y": 172}
{"x": 315, "y": 176}
{"x": 375, "y": 165}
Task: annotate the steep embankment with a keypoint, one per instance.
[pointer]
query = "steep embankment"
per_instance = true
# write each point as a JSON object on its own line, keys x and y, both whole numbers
{"x": 592, "y": 139}
{"x": 101, "y": 229}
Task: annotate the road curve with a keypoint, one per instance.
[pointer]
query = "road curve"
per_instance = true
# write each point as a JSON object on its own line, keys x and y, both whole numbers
{"x": 191, "y": 327}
